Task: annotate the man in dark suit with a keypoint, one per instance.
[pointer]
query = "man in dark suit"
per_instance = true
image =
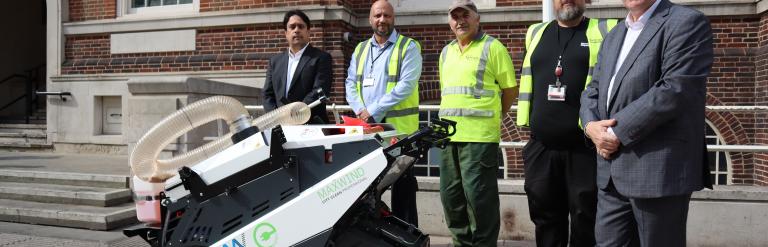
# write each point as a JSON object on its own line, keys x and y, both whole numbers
{"x": 296, "y": 74}
{"x": 644, "y": 111}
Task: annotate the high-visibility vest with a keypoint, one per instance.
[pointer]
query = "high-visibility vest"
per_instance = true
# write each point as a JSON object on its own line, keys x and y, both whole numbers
{"x": 470, "y": 95}
{"x": 596, "y": 30}
{"x": 405, "y": 115}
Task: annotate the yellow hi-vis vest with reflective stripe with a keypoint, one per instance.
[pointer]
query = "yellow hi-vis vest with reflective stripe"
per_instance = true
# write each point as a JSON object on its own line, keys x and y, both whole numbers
{"x": 469, "y": 95}
{"x": 405, "y": 115}
{"x": 596, "y": 30}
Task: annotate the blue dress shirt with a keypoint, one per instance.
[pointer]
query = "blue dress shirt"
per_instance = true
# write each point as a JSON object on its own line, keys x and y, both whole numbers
{"x": 375, "y": 98}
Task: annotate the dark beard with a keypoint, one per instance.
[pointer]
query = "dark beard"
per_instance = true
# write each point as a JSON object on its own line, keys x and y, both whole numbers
{"x": 383, "y": 34}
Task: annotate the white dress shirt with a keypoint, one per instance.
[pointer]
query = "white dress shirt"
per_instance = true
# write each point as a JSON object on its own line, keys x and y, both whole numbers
{"x": 293, "y": 63}
{"x": 633, "y": 31}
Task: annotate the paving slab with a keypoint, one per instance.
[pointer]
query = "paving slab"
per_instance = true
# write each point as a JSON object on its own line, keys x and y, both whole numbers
{"x": 15, "y": 234}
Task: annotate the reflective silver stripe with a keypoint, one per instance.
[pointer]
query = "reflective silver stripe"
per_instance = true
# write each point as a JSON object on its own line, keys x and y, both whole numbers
{"x": 465, "y": 91}
{"x": 392, "y": 78}
{"x": 526, "y": 71}
{"x": 462, "y": 112}
{"x": 399, "y": 57}
{"x": 525, "y": 96}
{"x": 444, "y": 53}
{"x": 602, "y": 25}
{"x": 591, "y": 68}
{"x": 536, "y": 30}
{"x": 403, "y": 112}
{"x": 481, "y": 66}
{"x": 357, "y": 59}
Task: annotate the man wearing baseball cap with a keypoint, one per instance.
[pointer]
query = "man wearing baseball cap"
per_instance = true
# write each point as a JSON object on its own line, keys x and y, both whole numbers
{"x": 477, "y": 84}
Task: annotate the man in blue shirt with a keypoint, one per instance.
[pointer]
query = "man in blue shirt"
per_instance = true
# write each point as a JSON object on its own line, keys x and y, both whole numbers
{"x": 382, "y": 86}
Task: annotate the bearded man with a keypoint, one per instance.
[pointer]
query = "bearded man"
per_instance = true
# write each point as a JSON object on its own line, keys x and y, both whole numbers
{"x": 560, "y": 168}
{"x": 382, "y": 86}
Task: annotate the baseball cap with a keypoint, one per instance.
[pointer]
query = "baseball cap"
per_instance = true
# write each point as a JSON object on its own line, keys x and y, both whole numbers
{"x": 464, "y": 4}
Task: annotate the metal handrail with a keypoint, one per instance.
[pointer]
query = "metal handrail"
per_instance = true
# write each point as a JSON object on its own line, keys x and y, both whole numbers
{"x": 711, "y": 148}
{"x": 12, "y": 102}
{"x": 714, "y": 148}
{"x": 32, "y": 77}
{"x": 8, "y": 78}
{"x": 712, "y": 108}
{"x": 60, "y": 94}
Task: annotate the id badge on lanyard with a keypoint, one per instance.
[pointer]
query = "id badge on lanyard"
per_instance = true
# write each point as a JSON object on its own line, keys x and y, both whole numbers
{"x": 369, "y": 81}
{"x": 556, "y": 93}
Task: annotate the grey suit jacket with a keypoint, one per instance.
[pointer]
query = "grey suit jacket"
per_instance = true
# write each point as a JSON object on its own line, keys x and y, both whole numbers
{"x": 658, "y": 101}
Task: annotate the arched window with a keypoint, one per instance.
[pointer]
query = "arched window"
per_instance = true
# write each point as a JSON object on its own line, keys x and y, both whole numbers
{"x": 719, "y": 161}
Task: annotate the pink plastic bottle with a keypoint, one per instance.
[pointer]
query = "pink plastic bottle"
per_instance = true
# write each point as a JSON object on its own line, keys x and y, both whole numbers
{"x": 147, "y": 201}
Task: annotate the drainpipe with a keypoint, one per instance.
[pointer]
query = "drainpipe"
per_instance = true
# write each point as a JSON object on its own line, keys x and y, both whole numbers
{"x": 547, "y": 11}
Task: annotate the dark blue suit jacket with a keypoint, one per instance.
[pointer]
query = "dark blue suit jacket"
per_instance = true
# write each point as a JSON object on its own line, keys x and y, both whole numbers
{"x": 313, "y": 72}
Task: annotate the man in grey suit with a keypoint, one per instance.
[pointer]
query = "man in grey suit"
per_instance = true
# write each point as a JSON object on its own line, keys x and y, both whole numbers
{"x": 644, "y": 112}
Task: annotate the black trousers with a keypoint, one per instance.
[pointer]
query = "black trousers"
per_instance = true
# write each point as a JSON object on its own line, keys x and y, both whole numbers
{"x": 560, "y": 183}
{"x": 404, "y": 198}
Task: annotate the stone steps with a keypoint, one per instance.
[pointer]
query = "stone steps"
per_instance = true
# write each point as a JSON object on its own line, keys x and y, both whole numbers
{"x": 91, "y": 201}
{"x": 24, "y": 137}
{"x": 28, "y": 138}
{"x": 65, "y": 194}
{"x": 63, "y": 178}
{"x": 23, "y": 128}
{"x": 77, "y": 216}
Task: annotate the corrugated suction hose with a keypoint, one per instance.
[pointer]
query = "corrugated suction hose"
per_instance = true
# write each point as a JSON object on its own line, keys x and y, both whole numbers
{"x": 147, "y": 167}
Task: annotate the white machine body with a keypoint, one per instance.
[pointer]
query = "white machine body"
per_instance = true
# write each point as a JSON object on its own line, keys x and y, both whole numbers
{"x": 254, "y": 149}
{"x": 329, "y": 199}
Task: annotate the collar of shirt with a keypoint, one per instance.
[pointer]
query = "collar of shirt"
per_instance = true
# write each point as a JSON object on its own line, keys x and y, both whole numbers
{"x": 392, "y": 39}
{"x": 298, "y": 54}
{"x": 479, "y": 36}
{"x": 640, "y": 23}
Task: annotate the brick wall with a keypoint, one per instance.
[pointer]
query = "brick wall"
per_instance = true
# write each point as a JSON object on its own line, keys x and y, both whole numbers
{"x": 223, "y": 5}
{"x": 731, "y": 82}
{"x": 85, "y": 10}
{"x": 231, "y": 48}
{"x": 359, "y": 6}
{"x": 761, "y": 98}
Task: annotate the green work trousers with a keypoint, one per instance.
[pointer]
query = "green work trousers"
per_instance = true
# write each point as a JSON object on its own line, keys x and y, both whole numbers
{"x": 470, "y": 193}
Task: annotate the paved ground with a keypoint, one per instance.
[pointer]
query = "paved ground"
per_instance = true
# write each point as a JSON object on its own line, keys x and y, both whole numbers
{"x": 24, "y": 235}
{"x": 13, "y": 234}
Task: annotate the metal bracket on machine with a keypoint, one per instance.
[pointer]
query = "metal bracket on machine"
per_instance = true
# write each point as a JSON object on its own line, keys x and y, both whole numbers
{"x": 201, "y": 191}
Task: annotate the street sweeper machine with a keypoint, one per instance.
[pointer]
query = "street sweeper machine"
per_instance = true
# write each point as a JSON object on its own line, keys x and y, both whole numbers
{"x": 273, "y": 181}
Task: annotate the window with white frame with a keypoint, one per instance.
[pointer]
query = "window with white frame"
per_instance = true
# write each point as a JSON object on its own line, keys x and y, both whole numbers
{"x": 719, "y": 161}
{"x": 164, "y": 7}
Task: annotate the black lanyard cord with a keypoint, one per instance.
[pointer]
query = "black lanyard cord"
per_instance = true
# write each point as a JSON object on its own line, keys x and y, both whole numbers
{"x": 373, "y": 60}
{"x": 559, "y": 67}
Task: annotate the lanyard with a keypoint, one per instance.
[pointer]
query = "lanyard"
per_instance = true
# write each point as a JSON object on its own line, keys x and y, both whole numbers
{"x": 559, "y": 67}
{"x": 373, "y": 60}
